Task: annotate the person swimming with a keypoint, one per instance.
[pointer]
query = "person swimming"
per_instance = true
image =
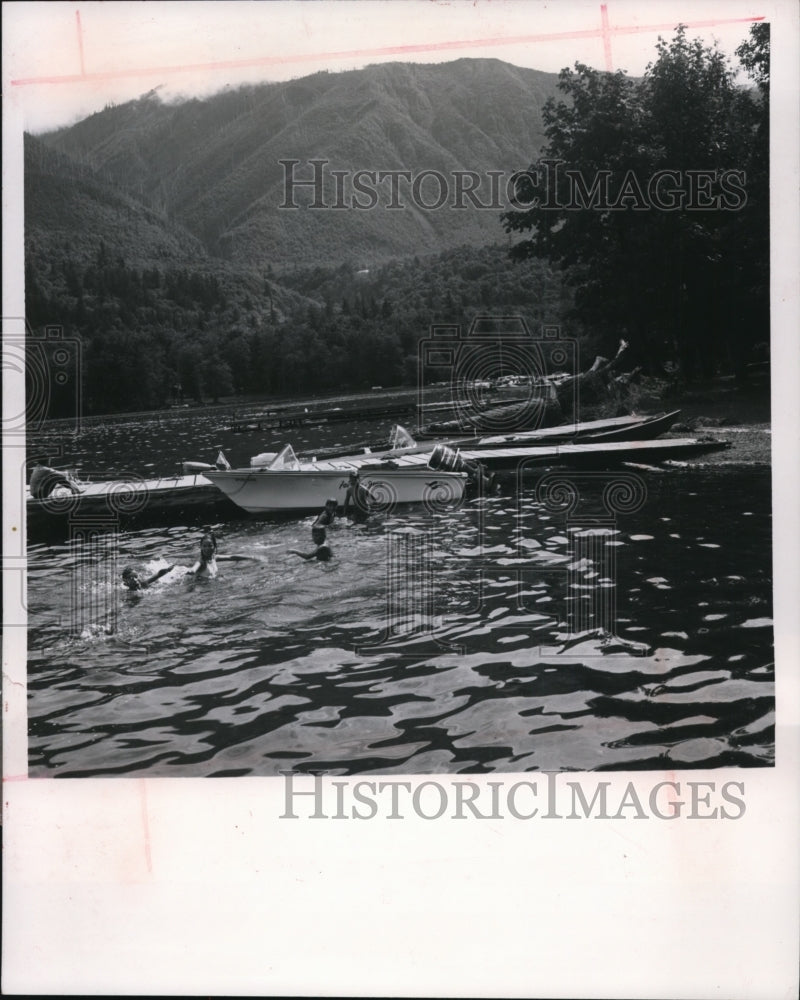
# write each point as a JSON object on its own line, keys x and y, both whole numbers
{"x": 206, "y": 566}
{"x": 356, "y": 500}
{"x": 324, "y": 520}
{"x": 207, "y": 563}
{"x": 44, "y": 480}
{"x": 133, "y": 581}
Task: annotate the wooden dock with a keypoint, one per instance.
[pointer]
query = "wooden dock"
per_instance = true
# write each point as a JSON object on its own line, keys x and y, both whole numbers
{"x": 275, "y": 419}
{"x": 110, "y": 506}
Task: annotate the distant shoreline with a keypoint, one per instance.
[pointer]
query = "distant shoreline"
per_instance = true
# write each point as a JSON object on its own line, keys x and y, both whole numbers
{"x": 713, "y": 407}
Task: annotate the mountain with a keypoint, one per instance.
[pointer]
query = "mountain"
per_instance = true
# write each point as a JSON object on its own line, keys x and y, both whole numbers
{"x": 154, "y": 233}
{"x": 67, "y": 201}
{"x": 213, "y": 166}
{"x": 76, "y": 218}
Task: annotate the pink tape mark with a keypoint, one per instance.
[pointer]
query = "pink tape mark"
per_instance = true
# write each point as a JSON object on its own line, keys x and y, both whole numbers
{"x": 80, "y": 40}
{"x": 15, "y": 777}
{"x": 606, "y": 38}
{"x": 555, "y": 36}
{"x": 148, "y": 857}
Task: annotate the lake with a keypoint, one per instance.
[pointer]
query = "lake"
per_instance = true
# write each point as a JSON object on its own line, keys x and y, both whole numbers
{"x": 463, "y": 640}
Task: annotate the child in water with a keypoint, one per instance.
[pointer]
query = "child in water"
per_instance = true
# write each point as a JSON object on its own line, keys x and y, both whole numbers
{"x": 207, "y": 563}
{"x": 206, "y": 566}
{"x": 321, "y": 552}
{"x": 132, "y": 580}
{"x": 324, "y": 519}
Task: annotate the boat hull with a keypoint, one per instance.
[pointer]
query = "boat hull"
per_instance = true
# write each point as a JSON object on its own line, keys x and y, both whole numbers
{"x": 592, "y": 454}
{"x": 261, "y": 491}
{"x": 631, "y": 428}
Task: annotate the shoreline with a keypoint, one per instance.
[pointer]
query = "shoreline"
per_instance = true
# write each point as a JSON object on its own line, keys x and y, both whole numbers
{"x": 721, "y": 409}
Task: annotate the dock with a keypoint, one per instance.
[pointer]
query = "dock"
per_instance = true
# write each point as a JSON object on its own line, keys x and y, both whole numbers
{"x": 275, "y": 419}
{"x": 110, "y": 506}
{"x": 278, "y": 417}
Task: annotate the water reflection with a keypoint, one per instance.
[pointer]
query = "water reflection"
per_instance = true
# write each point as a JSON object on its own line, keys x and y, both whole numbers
{"x": 281, "y": 664}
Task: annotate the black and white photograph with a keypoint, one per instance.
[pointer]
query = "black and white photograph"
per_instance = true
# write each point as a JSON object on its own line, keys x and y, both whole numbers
{"x": 397, "y": 411}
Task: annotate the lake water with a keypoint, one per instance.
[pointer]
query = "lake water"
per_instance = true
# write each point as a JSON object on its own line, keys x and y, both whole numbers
{"x": 456, "y": 641}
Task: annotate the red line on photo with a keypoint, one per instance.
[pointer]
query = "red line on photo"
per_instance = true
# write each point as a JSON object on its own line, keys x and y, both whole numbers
{"x": 606, "y": 30}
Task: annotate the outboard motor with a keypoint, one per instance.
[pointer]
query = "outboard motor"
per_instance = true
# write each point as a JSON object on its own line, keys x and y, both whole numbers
{"x": 444, "y": 459}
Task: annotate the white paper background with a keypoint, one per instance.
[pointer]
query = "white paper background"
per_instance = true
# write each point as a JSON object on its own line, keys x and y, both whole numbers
{"x": 175, "y": 886}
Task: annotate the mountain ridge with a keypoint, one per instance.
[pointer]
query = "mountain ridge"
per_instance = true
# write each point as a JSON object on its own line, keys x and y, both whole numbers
{"x": 212, "y": 166}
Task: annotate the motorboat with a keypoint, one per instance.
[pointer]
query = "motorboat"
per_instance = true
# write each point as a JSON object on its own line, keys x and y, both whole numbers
{"x": 289, "y": 484}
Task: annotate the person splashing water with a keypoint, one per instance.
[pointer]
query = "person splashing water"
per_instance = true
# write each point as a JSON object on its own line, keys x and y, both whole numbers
{"x": 133, "y": 581}
{"x": 206, "y": 566}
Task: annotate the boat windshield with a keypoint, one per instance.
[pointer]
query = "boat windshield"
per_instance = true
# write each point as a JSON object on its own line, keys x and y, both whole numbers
{"x": 400, "y": 438}
{"x": 285, "y": 459}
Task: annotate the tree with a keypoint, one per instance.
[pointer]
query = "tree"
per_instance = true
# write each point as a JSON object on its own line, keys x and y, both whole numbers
{"x": 648, "y": 199}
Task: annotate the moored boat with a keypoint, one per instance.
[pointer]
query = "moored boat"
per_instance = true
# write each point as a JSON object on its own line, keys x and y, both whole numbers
{"x": 628, "y": 428}
{"x": 581, "y": 455}
{"x": 307, "y": 487}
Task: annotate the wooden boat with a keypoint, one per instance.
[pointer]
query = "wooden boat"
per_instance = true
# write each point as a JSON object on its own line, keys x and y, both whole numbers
{"x": 597, "y": 454}
{"x": 651, "y": 427}
{"x": 632, "y": 428}
{"x": 629, "y": 428}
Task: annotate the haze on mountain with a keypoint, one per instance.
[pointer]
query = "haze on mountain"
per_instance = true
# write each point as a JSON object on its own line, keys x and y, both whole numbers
{"x": 211, "y": 167}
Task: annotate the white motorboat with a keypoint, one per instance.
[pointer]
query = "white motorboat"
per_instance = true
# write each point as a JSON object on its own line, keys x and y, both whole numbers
{"x": 288, "y": 484}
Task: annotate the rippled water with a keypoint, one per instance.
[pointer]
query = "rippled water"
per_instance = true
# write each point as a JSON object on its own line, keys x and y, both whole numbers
{"x": 370, "y": 664}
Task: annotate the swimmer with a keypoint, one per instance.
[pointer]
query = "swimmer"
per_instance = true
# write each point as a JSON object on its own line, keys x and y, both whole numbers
{"x": 205, "y": 566}
{"x": 324, "y": 520}
{"x": 207, "y": 563}
{"x": 44, "y": 480}
{"x": 356, "y": 499}
{"x": 132, "y": 580}
{"x": 322, "y": 552}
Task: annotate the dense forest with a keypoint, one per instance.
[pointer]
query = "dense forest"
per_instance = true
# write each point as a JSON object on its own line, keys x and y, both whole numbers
{"x": 152, "y": 337}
